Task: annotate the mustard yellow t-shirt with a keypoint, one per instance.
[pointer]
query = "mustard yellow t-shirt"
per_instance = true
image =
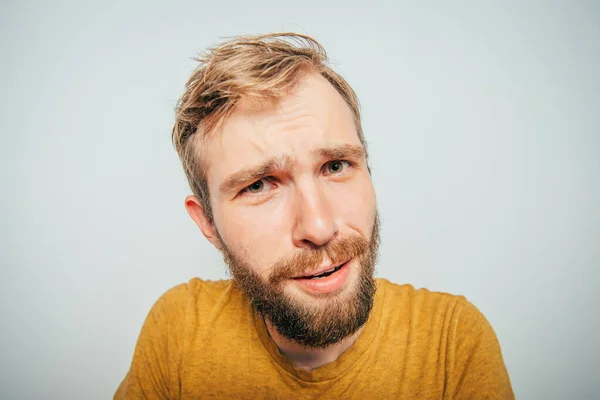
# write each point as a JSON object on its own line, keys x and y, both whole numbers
{"x": 203, "y": 340}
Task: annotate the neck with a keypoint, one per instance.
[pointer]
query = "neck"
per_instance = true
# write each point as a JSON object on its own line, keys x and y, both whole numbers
{"x": 306, "y": 358}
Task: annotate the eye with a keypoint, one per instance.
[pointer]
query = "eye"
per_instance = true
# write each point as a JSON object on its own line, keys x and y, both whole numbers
{"x": 259, "y": 186}
{"x": 337, "y": 166}
{"x": 256, "y": 187}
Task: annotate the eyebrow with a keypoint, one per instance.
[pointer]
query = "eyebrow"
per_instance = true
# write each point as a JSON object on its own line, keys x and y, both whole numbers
{"x": 247, "y": 176}
{"x": 341, "y": 152}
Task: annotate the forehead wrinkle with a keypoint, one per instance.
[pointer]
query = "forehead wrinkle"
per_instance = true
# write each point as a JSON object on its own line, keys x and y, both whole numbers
{"x": 289, "y": 124}
{"x": 283, "y": 162}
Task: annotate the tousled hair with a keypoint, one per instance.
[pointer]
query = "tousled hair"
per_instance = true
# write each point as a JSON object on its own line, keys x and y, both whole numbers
{"x": 250, "y": 68}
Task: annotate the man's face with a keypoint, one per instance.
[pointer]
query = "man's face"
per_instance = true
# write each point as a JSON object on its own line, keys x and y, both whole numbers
{"x": 292, "y": 198}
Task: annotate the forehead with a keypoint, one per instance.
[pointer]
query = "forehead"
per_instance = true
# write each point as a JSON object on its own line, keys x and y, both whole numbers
{"x": 313, "y": 115}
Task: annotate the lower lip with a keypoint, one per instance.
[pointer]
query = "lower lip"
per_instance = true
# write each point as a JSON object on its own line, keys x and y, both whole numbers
{"x": 329, "y": 284}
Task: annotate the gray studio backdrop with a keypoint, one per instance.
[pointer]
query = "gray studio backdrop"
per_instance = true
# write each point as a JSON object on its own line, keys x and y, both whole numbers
{"x": 483, "y": 127}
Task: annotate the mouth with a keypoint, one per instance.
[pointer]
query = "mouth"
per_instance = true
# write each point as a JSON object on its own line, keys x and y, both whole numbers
{"x": 322, "y": 275}
{"x": 328, "y": 281}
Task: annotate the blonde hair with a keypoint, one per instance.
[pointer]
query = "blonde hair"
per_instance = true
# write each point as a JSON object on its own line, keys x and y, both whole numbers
{"x": 259, "y": 68}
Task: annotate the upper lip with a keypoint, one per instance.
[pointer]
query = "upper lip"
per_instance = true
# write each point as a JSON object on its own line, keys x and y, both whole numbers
{"x": 321, "y": 269}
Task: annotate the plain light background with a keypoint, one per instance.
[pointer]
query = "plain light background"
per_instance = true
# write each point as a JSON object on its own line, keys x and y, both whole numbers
{"x": 483, "y": 126}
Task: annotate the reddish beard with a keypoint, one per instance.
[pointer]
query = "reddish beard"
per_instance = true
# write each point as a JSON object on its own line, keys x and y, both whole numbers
{"x": 338, "y": 315}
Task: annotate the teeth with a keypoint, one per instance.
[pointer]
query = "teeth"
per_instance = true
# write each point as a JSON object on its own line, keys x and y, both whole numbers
{"x": 324, "y": 274}
{"x": 329, "y": 271}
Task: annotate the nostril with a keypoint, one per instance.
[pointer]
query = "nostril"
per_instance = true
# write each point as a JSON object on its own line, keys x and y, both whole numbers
{"x": 310, "y": 244}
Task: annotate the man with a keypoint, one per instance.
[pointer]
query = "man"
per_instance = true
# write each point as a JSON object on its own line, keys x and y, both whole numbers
{"x": 271, "y": 142}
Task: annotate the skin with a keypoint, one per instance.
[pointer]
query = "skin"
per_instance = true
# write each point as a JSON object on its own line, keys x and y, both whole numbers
{"x": 316, "y": 189}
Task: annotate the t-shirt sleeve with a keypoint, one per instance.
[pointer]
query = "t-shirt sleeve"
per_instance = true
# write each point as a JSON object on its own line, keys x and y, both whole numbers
{"x": 157, "y": 351}
{"x": 477, "y": 369}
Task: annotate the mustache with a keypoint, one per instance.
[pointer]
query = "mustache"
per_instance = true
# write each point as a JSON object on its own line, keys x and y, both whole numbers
{"x": 302, "y": 263}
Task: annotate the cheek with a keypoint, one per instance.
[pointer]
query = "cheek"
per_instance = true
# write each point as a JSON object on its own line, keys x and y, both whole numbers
{"x": 256, "y": 233}
{"x": 356, "y": 204}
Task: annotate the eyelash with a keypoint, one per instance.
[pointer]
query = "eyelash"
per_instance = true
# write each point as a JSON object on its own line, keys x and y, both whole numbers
{"x": 270, "y": 179}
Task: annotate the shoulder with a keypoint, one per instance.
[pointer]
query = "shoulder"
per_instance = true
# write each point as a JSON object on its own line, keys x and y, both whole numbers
{"x": 418, "y": 301}
{"x": 175, "y": 301}
{"x": 455, "y": 331}
{"x": 422, "y": 307}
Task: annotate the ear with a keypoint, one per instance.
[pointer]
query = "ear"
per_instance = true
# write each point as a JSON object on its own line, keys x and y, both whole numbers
{"x": 196, "y": 211}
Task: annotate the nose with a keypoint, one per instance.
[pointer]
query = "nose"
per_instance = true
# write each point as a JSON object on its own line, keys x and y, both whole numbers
{"x": 315, "y": 223}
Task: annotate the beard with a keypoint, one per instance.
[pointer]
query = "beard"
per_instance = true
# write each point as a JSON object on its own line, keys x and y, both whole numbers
{"x": 337, "y": 316}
